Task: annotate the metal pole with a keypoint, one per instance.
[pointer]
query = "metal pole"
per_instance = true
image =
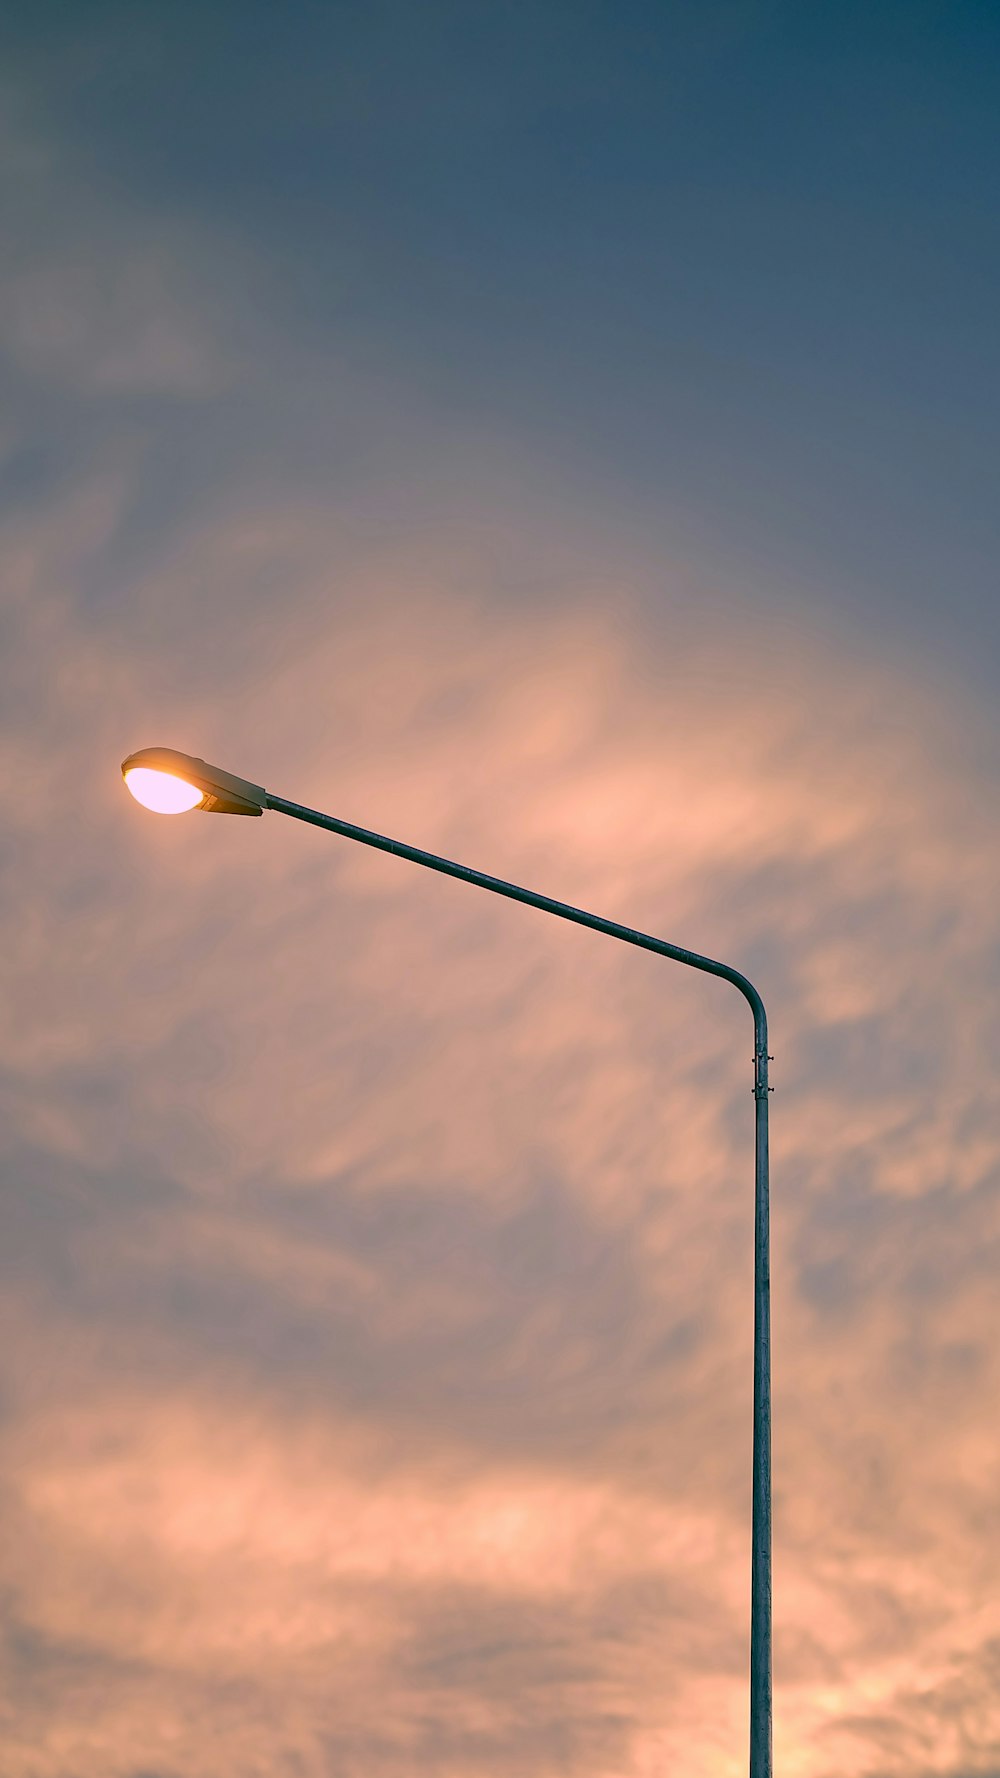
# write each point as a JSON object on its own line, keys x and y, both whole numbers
{"x": 760, "y": 1534}
{"x": 760, "y": 1587}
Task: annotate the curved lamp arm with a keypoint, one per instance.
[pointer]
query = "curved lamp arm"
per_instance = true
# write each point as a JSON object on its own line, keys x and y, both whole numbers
{"x": 562, "y": 909}
{"x": 222, "y": 793}
{"x": 760, "y": 1604}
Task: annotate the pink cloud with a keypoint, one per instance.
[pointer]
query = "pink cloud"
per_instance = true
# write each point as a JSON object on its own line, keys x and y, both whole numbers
{"x": 381, "y": 1312}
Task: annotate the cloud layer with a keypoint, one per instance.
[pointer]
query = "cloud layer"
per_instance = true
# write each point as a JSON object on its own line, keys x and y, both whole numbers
{"x": 377, "y": 1254}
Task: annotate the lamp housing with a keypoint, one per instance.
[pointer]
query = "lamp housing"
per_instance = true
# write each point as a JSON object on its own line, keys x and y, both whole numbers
{"x": 221, "y": 792}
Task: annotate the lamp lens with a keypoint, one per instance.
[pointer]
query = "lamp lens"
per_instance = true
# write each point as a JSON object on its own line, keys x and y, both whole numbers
{"x": 162, "y": 791}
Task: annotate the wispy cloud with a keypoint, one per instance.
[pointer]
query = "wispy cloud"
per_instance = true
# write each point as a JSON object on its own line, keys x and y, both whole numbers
{"x": 376, "y": 1254}
{"x": 381, "y": 1288}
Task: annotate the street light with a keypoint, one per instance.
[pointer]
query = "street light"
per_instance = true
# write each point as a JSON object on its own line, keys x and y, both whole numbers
{"x": 171, "y": 782}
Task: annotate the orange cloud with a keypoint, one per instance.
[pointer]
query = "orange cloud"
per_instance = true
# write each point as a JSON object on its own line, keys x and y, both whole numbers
{"x": 378, "y": 1292}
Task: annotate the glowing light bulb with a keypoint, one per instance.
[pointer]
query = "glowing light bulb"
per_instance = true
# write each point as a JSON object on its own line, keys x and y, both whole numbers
{"x": 163, "y": 792}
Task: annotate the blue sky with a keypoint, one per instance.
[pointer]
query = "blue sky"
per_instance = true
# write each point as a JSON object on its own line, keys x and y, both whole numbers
{"x": 727, "y": 271}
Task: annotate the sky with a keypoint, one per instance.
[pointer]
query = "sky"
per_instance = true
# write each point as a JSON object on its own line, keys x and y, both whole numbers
{"x": 562, "y": 437}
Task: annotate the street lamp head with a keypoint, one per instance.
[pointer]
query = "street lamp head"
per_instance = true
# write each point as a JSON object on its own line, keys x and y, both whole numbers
{"x": 171, "y": 783}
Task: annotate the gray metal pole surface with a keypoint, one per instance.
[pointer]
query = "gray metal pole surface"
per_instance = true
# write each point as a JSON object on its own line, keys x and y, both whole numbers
{"x": 760, "y": 1588}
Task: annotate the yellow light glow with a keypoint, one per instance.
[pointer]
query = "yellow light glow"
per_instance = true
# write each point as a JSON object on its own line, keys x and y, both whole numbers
{"x": 162, "y": 791}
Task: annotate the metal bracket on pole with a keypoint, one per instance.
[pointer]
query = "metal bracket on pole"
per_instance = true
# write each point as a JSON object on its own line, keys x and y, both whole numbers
{"x": 760, "y": 1086}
